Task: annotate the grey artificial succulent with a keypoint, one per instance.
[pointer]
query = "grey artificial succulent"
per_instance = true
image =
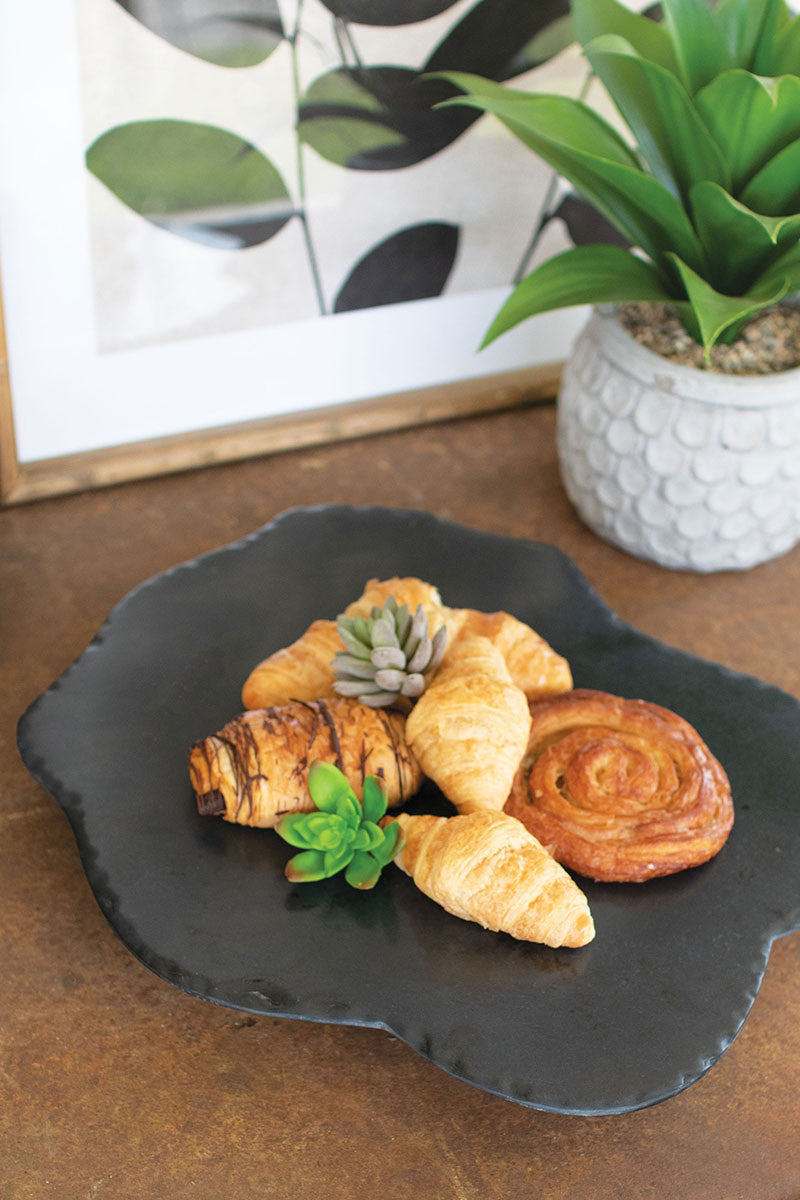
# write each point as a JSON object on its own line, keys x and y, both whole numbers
{"x": 388, "y": 655}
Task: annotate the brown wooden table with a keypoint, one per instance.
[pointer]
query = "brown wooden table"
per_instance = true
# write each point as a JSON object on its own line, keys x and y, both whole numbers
{"x": 116, "y": 1086}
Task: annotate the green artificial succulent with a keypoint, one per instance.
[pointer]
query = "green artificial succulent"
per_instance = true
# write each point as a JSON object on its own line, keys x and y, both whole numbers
{"x": 387, "y": 655}
{"x": 707, "y": 187}
{"x": 343, "y": 834}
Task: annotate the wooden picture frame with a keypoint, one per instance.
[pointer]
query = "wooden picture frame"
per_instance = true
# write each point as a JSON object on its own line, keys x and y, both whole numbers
{"x": 25, "y": 481}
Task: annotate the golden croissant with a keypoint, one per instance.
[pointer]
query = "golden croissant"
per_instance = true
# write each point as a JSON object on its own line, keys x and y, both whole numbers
{"x": 486, "y": 867}
{"x": 303, "y": 670}
{"x": 533, "y": 665}
{"x": 256, "y": 768}
{"x": 469, "y": 729}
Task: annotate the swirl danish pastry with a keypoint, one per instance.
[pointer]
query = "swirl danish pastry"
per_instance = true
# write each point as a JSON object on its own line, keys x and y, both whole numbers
{"x": 620, "y": 790}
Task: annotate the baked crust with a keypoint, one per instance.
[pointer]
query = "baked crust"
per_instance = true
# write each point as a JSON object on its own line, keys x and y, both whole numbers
{"x": 469, "y": 729}
{"x": 486, "y": 867}
{"x": 620, "y": 790}
{"x": 256, "y": 768}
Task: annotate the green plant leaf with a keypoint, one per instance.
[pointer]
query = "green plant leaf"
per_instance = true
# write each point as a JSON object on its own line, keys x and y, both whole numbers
{"x": 306, "y": 867}
{"x": 593, "y": 18}
{"x": 583, "y": 275}
{"x": 785, "y": 56}
{"x": 746, "y": 26}
{"x": 392, "y": 844}
{"x": 775, "y": 188}
{"x": 348, "y": 808}
{"x": 373, "y": 835}
{"x": 752, "y": 119}
{"x": 698, "y": 41}
{"x": 327, "y": 785}
{"x": 375, "y": 798}
{"x": 337, "y": 860}
{"x": 740, "y": 243}
{"x": 715, "y": 312}
{"x": 672, "y": 138}
{"x": 292, "y": 829}
{"x": 584, "y": 148}
{"x": 197, "y": 181}
{"x": 785, "y": 269}
{"x": 775, "y": 28}
{"x": 364, "y": 871}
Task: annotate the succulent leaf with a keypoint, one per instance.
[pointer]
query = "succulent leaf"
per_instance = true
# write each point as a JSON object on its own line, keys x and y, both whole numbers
{"x": 379, "y": 699}
{"x": 421, "y": 656}
{"x": 352, "y": 667}
{"x": 375, "y": 796}
{"x": 306, "y": 867}
{"x": 336, "y": 860}
{"x": 353, "y": 644}
{"x": 388, "y": 656}
{"x": 364, "y": 871}
{"x": 326, "y": 784}
{"x": 413, "y": 686}
{"x": 383, "y": 633}
{"x": 392, "y": 844}
{"x": 348, "y": 809}
{"x": 292, "y": 830}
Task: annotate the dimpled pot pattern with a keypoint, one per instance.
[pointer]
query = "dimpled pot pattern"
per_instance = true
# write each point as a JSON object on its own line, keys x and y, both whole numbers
{"x": 688, "y": 468}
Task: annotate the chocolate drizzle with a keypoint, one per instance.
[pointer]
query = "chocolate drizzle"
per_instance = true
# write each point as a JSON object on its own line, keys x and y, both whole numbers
{"x": 329, "y": 721}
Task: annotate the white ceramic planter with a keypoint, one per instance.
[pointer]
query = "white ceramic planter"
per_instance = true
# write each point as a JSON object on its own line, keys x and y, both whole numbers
{"x": 688, "y": 468}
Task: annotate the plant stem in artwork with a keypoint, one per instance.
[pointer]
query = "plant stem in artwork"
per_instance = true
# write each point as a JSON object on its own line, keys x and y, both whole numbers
{"x": 302, "y": 211}
{"x": 348, "y": 34}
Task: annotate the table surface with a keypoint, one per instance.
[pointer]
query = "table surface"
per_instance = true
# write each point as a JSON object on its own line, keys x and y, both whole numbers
{"x": 117, "y": 1086}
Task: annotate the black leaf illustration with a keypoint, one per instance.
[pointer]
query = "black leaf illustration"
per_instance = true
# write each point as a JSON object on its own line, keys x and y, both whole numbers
{"x": 413, "y": 264}
{"x": 387, "y": 12}
{"x": 498, "y": 38}
{"x": 230, "y": 33}
{"x": 585, "y": 225}
{"x": 379, "y": 118}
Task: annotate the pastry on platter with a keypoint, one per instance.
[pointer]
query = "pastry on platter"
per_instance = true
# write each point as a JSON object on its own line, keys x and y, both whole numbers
{"x": 486, "y": 867}
{"x": 534, "y": 666}
{"x": 470, "y": 727}
{"x": 256, "y": 769}
{"x": 620, "y": 790}
{"x": 303, "y": 670}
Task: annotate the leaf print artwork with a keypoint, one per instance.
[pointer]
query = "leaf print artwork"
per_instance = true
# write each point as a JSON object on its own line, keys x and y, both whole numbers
{"x": 331, "y": 93}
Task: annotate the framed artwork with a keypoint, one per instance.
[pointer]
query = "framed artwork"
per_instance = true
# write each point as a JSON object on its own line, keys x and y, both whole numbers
{"x": 229, "y": 227}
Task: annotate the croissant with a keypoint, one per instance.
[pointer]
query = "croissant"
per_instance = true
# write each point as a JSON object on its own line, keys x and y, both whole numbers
{"x": 486, "y": 867}
{"x": 533, "y": 664}
{"x": 620, "y": 790}
{"x": 256, "y": 768}
{"x": 470, "y": 728}
{"x": 303, "y": 670}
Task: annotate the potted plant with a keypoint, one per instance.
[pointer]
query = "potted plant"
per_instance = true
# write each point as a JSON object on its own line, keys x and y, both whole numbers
{"x": 683, "y": 464}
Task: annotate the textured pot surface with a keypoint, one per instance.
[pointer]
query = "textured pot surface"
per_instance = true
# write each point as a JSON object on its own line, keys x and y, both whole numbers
{"x": 688, "y": 468}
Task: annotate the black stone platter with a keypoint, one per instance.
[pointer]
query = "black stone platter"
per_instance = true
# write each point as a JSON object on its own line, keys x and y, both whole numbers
{"x": 633, "y": 1018}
